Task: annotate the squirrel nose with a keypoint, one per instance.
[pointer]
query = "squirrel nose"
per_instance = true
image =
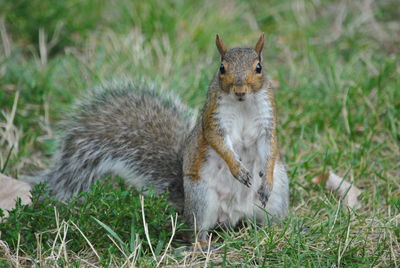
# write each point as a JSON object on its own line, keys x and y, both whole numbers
{"x": 240, "y": 94}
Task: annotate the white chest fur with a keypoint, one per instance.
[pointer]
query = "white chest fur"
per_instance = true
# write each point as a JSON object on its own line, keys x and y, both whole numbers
{"x": 245, "y": 124}
{"x": 246, "y": 121}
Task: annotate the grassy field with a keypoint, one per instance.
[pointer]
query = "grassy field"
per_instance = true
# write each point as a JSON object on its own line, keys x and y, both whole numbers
{"x": 336, "y": 71}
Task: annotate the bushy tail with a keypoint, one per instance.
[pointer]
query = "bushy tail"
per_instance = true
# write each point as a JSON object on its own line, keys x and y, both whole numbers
{"x": 127, "y": 129}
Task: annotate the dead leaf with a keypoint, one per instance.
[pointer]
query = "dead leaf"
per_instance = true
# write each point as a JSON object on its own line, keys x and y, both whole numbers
{"x": 10, "y": 190}
{"x": 346, "y": 190}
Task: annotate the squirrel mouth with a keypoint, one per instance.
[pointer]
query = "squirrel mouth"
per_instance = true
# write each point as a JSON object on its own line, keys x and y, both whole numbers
{"x": 240, "y": 99}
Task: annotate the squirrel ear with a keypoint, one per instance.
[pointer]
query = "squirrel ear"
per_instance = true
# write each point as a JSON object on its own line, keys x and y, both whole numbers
{"x": 220, "y": 45}
{"x": 260, "y": 44}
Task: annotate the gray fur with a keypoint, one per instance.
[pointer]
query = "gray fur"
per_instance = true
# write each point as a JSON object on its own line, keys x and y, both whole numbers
{"x": 125, "y": 128}
{"x": 244, "y": 128}
{"x": 150, "y": 139}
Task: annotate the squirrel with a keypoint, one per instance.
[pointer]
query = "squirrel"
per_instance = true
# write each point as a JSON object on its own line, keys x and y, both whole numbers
{"x": 127, "y": 128}
{"x": 221, "y": 168}
{"x": 231, "y": 163}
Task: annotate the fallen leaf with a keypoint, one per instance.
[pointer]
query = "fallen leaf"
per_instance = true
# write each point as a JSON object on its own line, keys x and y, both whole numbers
{"x": 10, "y": 190}
{"x": 346, "y": 190}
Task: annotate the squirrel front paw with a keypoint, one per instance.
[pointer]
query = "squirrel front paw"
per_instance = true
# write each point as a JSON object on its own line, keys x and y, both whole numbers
{"x": 264, "y": 192}
{"x": 244, "y": 176}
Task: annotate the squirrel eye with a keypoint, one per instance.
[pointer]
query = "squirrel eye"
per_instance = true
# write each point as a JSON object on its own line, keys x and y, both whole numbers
{"x": 222, "y": 69}
{"x": 258, "y": 68}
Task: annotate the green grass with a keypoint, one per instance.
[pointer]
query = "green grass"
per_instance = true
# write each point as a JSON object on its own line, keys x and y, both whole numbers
{"x": 336, "y": 69}
{"x": 89, "y": 221}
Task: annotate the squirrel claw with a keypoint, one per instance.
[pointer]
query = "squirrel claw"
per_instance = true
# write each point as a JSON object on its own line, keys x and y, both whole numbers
{"x": 263, "y": 194}
{"x": 244, "y": 177}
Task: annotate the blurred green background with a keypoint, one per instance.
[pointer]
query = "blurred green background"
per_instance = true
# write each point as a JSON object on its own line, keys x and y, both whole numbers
{"x": 334, "y": 64}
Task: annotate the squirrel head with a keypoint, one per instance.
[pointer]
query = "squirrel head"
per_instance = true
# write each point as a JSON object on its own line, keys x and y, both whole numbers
{"x": 241, "y": 72}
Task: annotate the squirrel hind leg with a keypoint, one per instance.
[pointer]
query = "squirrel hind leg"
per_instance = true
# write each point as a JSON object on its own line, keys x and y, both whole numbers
{"x": 176, "y": 197}
{"x": 203, "y": 242}
{"x": 201, "y": 209}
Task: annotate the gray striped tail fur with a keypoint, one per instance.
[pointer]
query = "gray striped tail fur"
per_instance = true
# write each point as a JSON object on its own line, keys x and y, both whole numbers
{"x": 129, "y": 129}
